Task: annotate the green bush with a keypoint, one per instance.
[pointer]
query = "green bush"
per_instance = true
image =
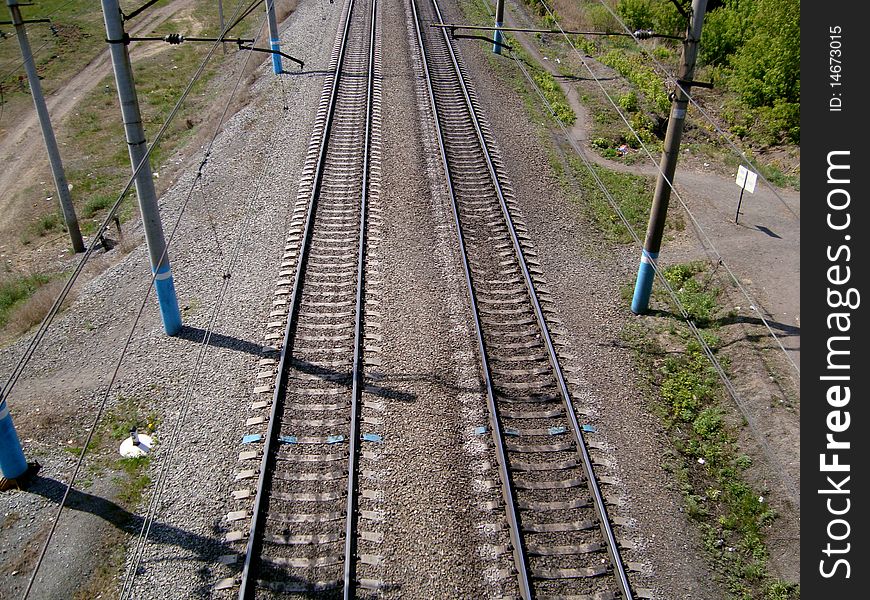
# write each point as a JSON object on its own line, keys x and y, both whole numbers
{"x": 661, "y": 17}
{"x": 767, "y": 66}
{"x": 780, "y": 122}
{"x": 628, "y": 101}
{"x": 553, "y": 93}
{"x": 724, "y": 31}
{"x": 599, "y": 18}
{"x": 637, "y": 14}
{"x": 644, "y": 78}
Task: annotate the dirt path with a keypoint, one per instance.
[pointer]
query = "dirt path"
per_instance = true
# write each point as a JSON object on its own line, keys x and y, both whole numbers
{"x": 762, "y": 250}
{"x": 23, "y": 149}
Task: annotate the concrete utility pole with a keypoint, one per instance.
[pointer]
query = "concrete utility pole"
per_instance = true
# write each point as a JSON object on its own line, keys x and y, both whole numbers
{"x": 60, "y": 183}
{"x": 221, "y": 18}
{"x": 499, "y": 22}
{"x": 668, "y": 164}
{"x": 12, "y": 462}
{"x": 144, "y": 179}
{"x": 274, "y": 40}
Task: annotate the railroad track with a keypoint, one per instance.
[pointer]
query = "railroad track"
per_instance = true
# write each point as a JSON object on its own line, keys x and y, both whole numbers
{"x": 309, "y": 526}
{"x": 561, "y": 537}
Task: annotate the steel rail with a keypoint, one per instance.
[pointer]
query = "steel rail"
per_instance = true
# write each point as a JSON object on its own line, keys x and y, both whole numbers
{"x": 356, "y": 385}
{"x": 519, "y": 552}
{"x": 247, "y": 587}
{"x": 594, "y": 488}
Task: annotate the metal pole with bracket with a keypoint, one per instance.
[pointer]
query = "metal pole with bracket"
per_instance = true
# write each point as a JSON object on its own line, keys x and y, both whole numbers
{"x": 138, "y": 149}
{"x": 668, "y": 165}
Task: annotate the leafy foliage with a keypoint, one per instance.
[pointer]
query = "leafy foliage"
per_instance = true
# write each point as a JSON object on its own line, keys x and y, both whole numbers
{"x": 661, "y": 17}
{"x": 753, "y": 44}
{"x": 767, "y": 65}
{"x": 724, "y": 31}
{"x": 635, "y": 69}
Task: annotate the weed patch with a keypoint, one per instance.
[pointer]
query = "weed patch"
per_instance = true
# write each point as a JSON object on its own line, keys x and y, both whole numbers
{"x": 15, "y": 290}
{"x": 731, "y": 514}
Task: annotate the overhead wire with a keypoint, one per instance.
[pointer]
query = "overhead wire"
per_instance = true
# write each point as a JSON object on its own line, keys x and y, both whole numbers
{"x": 39, "y": 335}
{"x": 664, "y": 70}
{"x": 753, "y": 304}
{"x": 34, "y": 52}
{"x": 785, "y": 478}
{"x": 139, "y": 550}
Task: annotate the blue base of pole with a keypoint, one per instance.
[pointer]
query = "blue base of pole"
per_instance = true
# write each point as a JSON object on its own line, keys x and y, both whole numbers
{"x": 498, "y": 39}
{"x": 168, "y": 301}
{"x": 12, "y": 461}
{"x": 643, "y": 287}
{"x": 276, "y": 58}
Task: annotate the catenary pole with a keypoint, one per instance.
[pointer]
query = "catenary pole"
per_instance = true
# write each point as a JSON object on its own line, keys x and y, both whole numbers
{"x": 668, "y": 164}
{"x": 12, "y": 462}
{"x": 60, "y": 182}
{"x": 144, "y": 179}
{"x": 274, "y": 40}
{"x": 221, "y": 18}
{"x": 499, "y": 22}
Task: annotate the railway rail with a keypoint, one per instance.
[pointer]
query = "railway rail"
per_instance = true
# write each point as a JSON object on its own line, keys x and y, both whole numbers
{"x": 305, "y": 534}
{"x": 313, "y": 525}
{"x": 556, "y": 514}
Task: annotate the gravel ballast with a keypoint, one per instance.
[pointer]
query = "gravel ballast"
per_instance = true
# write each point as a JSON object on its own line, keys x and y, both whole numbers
{"x": 433, "y": 471}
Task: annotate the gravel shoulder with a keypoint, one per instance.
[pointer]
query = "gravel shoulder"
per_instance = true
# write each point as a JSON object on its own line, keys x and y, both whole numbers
{"x": 234, "y": 222}
{"x": 433, "y": 468}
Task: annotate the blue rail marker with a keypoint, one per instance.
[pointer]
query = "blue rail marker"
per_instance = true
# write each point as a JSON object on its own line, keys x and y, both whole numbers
{"x": 277, "y": 67}
{"x": 167, "y": 299}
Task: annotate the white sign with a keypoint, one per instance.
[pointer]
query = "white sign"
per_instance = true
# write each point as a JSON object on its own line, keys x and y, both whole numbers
{"x": 746, "y": 179}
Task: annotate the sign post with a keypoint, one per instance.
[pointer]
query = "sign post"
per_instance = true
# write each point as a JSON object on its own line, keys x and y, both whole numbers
{"x": 746, "y": 180}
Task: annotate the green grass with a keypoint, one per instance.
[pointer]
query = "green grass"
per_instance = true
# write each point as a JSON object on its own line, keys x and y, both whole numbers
{"x": 694, "y": 289}
{"x": 44, "y": 225}
{"x": 96, "y": 160}
{"x": 706, "y": 462}
{"x": 135, "y": 479}
{"x": 80, "y": 35}
{"x": 644, "y": 79}
{"x": 16, "y": 289}
{"x": 130, "y": 412}
{"x": 631, "y": 193}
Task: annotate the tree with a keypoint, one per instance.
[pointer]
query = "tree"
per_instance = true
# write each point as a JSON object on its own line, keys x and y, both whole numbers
{"x": 767, "y": 66}
{"x": 725, "y": 28}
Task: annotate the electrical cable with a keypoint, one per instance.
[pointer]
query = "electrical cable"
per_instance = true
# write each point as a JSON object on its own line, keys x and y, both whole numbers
{"x": 786, "y": 479}
{"x": 753, "y": 305}
{"x": 63, "y": 294}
